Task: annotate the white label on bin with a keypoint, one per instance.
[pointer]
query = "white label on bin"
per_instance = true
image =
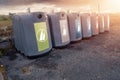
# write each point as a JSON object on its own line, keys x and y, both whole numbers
{"x": 89, "y": 24}
{"x": 78, "y": 28}
{"x": 103, "y": 23}
{"x": 77, "y": 24}
{"x": 64, "y": 30}
{"x": 107, "y": 23}
{"x": 97, "y": 25}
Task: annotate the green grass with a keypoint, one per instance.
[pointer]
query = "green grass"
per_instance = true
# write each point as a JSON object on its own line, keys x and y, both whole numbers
{"x": 5, "y": 23}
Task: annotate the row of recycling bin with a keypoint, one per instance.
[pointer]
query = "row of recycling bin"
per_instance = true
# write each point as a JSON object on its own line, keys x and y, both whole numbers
{"x": 36, "y": 33}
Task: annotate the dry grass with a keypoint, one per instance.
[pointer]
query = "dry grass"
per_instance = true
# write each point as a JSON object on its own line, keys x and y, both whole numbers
{"x": 5, "y": 26}
{"x": 5, "y": 21}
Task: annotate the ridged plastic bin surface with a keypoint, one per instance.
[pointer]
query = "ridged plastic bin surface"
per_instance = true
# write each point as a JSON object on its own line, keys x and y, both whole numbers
{"x": 94, "y": 24}
{"x": 59, "y": 29}
{"x": 31, "y": 33}
{"x": 86, "y": 25}
{"x": 74, "y": 20}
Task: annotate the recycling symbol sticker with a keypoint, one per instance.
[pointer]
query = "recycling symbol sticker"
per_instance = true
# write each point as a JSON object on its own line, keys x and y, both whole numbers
{"x": 41, "y": 35}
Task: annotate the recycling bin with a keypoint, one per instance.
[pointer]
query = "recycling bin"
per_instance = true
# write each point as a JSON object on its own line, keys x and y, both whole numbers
{"x": 31, "y": 33}
{"x": 74, "y": 22}
{"x": 86, "y": 25}
{"x": 106, "y": 22}
{"x": 101, "y": 23}
{"x": 59, "y": 29}
{"x": 94, "y": 24}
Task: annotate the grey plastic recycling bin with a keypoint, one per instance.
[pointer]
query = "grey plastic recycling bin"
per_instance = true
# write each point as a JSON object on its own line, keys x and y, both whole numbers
{"x": 94, "y": 24}
{"x": 59, "y": 29}
{"x": 86, "y": 25}
{"x": 74, "y": 21}
{"x": 101, "y": 23}
{"x": 106, "y": 22}
{"x": 31, "y": 33}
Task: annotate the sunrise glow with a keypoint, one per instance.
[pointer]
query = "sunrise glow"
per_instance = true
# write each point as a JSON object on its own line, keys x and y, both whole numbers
{"x": 109, "y": 6}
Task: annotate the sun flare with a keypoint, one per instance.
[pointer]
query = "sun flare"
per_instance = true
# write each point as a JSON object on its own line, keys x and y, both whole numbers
{"x": 111, "y": 5}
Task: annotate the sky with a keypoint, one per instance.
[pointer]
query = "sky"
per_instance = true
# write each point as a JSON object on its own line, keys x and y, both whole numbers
{"x": 24, "y": 2}
{"x": 7, "y": 6}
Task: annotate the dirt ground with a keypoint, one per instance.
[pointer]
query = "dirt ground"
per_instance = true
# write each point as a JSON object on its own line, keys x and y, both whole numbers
{"x": 97, "y": 58}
